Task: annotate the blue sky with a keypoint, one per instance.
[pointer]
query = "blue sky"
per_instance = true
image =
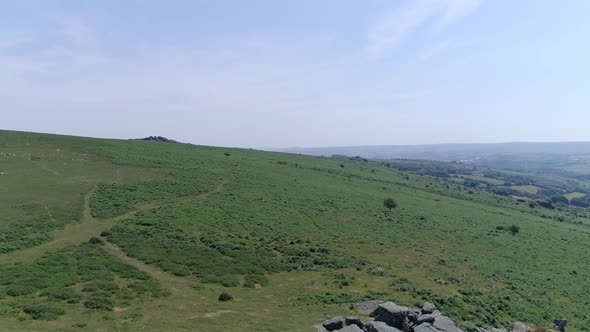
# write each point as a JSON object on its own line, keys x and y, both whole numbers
{"x": 298, "y": 73}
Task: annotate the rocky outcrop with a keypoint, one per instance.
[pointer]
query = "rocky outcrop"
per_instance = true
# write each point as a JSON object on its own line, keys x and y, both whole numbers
{"x": 391, "y": 317}
{"x": 157, "y": 139}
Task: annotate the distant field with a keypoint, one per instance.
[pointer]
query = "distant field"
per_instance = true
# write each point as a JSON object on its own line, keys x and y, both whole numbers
{"x": 526, "y": 189}
{"x": 571, "y": 196}
{"x": 493, "y": 181}
{"x": 578, "y": 169}
{"x": 109, "y": 235}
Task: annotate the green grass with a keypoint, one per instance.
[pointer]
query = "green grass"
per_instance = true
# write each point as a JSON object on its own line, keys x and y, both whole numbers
{"x": 291, "y": 238}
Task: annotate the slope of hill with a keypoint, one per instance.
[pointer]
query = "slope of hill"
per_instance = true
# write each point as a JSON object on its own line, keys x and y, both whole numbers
{"x": 135, "y": 235}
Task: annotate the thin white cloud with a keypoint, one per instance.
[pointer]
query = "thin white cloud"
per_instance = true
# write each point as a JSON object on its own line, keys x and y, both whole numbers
{"x": 76, "y": 31}
{"x": 457, "y": 10}
{"x": 436, "y": 49}
{"x": 391, "y": 31}
{"x": 9, "y": 42}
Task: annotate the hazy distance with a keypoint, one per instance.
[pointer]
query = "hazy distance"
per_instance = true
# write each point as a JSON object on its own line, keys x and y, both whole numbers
{"x": 282, "y": 74}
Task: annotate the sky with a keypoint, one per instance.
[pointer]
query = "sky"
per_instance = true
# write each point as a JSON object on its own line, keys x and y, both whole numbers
{"x": 299, "y": 73}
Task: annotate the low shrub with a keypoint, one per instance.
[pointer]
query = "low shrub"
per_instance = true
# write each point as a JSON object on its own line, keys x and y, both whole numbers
{"x": 62, "y": 294}
{"x": 44, "y": 311}
{"x": 98, "y": 302}
{"x": 95, "y": 240}
{"x": 18, "y": 290}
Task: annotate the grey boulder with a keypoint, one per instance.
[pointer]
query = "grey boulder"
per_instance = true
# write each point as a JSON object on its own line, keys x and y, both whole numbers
{"x": 394, "y": 315}
{"x": 428, "y": 308}
{"x": 380, "y": 327}
{"x": 444, "y": 323}
{"x": 367, "y": 307}
{"x": 440, "y": 324}
{"x": 425, "y": 327}
{"x": 429, "y": 318}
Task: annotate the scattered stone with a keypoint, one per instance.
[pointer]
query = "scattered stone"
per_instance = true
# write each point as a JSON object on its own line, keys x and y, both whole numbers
{"x": 444, "y": 323}
{"x": 353, "y": 320}
{"x": 380, "y": 327}
{"x": 321, "y": 329}
{"x": 367, "y": 307}
{"x": 428, "y": 308}
{"x": 334, "y": 323}
{"x": 393, "y": 314}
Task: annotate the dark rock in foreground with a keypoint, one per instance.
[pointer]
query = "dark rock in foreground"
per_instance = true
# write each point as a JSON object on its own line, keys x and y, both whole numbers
{"x": 352, "y": 320}
{"x": 333, "y": 324}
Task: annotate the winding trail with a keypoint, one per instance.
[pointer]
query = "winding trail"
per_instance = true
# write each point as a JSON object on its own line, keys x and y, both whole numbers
{"x": 167, "y": 280}
{"x": 73, "y": 234}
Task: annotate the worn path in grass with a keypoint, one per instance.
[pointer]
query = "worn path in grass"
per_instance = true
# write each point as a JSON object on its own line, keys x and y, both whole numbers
{"x": 78, "y": 233}
{"x": 168, "y": 280}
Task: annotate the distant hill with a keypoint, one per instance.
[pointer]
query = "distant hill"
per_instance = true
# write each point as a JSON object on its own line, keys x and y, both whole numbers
{"x": 568, "y": 158}
{"x": 447, "y": 152}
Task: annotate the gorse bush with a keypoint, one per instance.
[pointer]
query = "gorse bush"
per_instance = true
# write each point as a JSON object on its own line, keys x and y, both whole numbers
{"x": 225, "y": 297}
{"x": 99, "y": 302}
{"x": 52, "y": 280}
{"x": 62, "y": 294}
{"x": 44, "y": 311}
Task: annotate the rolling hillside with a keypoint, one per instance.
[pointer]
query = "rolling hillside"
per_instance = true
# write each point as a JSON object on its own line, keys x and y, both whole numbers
{"x": 137, "y": 235}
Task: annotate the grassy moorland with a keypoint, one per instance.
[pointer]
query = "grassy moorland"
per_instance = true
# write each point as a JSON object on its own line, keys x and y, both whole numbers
{"x": 104, "y": 235}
